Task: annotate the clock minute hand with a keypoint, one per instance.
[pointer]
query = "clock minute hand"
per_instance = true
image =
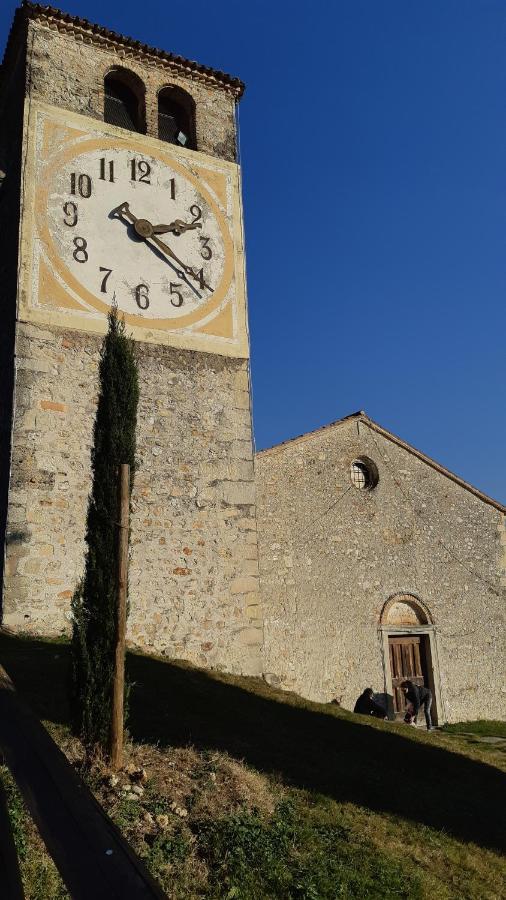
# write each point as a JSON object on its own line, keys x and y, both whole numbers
{"x": 188, "y": 269}
{"x": 145, "y": 230}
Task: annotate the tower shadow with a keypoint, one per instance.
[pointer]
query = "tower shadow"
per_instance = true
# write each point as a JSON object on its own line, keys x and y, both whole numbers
{"x": 329, "y": 751}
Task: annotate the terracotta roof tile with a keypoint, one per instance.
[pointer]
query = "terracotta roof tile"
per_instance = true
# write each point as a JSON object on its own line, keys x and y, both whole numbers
{"x": 68, "y": 22}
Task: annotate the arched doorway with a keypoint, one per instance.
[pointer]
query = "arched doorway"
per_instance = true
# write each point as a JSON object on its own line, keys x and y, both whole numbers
{"x": 409, "y": 649}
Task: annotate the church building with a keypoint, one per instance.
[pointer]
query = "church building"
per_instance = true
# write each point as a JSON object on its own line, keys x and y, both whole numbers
{"x": 340, "y": 559}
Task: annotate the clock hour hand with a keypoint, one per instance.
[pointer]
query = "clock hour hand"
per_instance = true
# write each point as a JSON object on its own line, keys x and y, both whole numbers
{"x": 177, "y": 227}
{"x": 144, "y": 229}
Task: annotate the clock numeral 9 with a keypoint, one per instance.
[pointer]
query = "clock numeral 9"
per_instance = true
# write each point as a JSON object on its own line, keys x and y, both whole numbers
{"x": 141, "y": 296}
{"x": 141, "y": 170}
{"x": 70, "y": 212}
{"x": 177, "y": 298}
{"x": 80, "y": 253}
{"x": 81, "y": 184}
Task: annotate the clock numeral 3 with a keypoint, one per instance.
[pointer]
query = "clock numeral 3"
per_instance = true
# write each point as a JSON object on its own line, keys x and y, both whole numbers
{"x": 109, "y": 169}
{"x": 205, "y": 250}
{"x": 103, "y": 287}
{"x": 80, "y": 184}
{"x": 141, "y": 170}
{"x": 173, "y": 289}
{"x": 80, "y": 253}
{"x": 141, "y": 296}
{"x": 70, "y": 212}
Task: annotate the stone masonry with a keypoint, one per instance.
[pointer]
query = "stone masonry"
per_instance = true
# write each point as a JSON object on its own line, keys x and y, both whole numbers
{"x": 193, "y": 567}
{"x": 331, "y": 556}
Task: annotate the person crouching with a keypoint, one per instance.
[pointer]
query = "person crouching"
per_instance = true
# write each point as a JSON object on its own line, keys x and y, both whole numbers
{"x": 366, "y": 705}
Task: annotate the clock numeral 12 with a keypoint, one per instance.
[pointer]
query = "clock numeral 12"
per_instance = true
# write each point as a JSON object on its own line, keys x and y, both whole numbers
{"x": 106, "y": 168}
{"x": 141, "y": 170}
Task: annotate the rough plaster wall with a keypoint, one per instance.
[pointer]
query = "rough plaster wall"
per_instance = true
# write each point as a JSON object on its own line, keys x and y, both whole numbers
{"x": 69, "y": 73}
{"x": 193, "y": 568}
{"x": 331, "y": 556}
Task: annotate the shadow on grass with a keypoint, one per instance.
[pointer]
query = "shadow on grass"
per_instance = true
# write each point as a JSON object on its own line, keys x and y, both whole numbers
{"x": 331, "y": 753}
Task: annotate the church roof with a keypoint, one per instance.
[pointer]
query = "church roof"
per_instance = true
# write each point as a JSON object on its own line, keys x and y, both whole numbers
{"x": 361, "y": 416}
{"x": 88, "y": 31}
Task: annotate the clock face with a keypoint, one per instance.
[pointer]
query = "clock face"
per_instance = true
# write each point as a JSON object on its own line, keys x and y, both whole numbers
{"x": 137, "y": 230}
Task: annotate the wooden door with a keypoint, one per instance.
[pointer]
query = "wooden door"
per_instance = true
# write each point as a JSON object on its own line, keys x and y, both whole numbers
{"x": 406, "y": 662}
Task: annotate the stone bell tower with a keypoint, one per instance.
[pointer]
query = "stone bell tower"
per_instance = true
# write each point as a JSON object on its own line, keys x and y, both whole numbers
{"x": 93, "y": 122}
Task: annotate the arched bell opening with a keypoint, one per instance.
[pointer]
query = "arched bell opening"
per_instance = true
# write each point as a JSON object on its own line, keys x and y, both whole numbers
{"x": 176, "y": 117}
{"x": 124, "y": 100}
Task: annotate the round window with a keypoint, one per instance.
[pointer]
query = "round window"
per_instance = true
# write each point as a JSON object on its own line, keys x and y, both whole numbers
{"x": 364, "y": 474}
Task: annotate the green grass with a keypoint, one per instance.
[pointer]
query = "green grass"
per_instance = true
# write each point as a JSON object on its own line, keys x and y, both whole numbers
{"x": 284, "y": 798}
{"x": 484, "y": 727}
{"x": 41, "y": 880}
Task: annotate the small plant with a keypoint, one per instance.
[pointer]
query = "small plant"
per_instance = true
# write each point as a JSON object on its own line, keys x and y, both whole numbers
{"x": 94, "y": 602}
{"x": 293, "y": 858}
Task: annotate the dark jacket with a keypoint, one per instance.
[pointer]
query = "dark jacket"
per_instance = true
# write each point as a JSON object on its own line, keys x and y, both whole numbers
{"x": 367, "y": 706}
{"x": 417, "y": 694}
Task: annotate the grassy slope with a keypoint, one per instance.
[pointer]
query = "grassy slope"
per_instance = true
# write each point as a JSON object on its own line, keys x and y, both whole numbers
{"x": 262, "y": 794}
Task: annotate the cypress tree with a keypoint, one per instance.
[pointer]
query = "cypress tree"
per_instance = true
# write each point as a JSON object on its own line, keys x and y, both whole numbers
{"x": 95, "y": 600}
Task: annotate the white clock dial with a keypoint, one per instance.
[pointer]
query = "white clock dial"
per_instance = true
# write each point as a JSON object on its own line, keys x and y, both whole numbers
{"x": 134, "y": 228}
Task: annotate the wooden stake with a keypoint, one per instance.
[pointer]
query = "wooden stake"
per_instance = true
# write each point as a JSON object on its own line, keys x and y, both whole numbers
{"x": 119, "y": 660}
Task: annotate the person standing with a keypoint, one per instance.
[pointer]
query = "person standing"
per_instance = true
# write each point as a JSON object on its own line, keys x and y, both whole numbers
{"x": 418, "y": 696}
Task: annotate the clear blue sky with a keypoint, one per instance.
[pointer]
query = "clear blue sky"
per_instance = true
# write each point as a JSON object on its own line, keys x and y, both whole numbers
{"x": 373, "y": 139}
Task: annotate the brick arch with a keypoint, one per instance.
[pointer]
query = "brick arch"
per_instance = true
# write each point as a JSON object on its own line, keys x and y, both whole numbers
{"x": 405, "y": 610}
{"x": 136, "y": 88}
{"x": 175, "y": 100}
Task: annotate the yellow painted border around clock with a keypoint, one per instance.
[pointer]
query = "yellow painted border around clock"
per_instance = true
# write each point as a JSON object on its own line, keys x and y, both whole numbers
{"x": 41, "y": 205}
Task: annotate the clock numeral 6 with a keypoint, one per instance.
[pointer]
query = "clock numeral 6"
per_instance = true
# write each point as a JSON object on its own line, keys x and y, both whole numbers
{"x": 176, "y": 294}
{"x": 70, "y": 212}
{"x": 81, "y": 184}
{"x": 80, "y": 253}
{"x": 141, "y": 296}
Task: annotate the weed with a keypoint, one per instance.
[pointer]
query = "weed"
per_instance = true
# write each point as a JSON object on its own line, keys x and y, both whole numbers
{"x": 288, "y": 857}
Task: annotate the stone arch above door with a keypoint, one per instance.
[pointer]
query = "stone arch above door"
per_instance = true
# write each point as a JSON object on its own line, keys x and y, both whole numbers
{"x": 405, "y": 611}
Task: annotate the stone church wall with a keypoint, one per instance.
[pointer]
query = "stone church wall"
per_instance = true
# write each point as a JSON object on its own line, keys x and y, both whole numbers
{"x": 193, "y": 568}
{"x": 331, "y": 556}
